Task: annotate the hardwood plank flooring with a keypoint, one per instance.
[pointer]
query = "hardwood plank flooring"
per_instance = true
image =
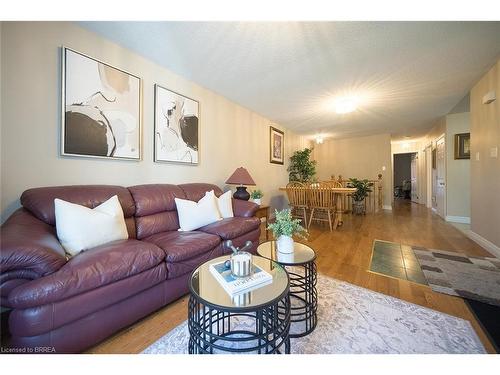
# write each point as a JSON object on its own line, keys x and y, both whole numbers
{"x": 344, "y": 254}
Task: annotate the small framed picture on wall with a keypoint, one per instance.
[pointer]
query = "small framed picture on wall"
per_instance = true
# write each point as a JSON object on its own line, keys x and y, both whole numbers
{"x": 462, "y": 146}
{"x": 277, "y": 145}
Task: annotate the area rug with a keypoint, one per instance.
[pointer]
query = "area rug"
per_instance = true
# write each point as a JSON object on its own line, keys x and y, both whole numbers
{"x": 457, "y": 274}
{"x": 357, "y": 320}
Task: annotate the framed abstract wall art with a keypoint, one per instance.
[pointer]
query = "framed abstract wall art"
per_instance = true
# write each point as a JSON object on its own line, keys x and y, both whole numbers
{"x": 277, "y": 146}
{"x": 462, "y": 146}
{"x": 101, "y": 109}
{"x": 176, "y": 127}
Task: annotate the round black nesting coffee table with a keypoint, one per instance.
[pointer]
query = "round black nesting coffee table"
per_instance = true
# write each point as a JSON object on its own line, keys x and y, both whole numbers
{"x": 257, "y": 321}
{"x": 303, "y": 293}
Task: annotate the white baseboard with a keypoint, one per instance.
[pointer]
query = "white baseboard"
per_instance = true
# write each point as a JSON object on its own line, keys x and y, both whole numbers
{"x": 488, "y": 246}
{"x": 387, "y": 207}
{"x": 458, "y": 219}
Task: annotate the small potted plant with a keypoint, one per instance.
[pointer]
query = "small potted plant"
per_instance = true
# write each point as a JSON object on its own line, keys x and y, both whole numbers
{"x": 256, "y": 196}
{"x": 284, "y": 228}
{"x": 363, "y": 187}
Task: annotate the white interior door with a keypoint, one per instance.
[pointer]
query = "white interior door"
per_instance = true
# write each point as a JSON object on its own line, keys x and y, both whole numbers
{"x": 414, "y": 186}
{"x": 428, "y": 176}
{"x": 440, "y": 177}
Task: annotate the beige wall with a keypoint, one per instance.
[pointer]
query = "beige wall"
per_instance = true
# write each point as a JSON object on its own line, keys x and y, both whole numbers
{"x": 457, "y": 171}
{"x": 485, "y": 172}
{"x": 360, "y": 157}
{"x": 462, "y": 106}
{"x": 437, "y": 130}
{"x": 403, "y": 147}
{"x": 231, "y": 136}
{"x": 457, "y": 195}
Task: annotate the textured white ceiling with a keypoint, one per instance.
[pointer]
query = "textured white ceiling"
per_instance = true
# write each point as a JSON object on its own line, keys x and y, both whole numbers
{"x": 406, "y": 73}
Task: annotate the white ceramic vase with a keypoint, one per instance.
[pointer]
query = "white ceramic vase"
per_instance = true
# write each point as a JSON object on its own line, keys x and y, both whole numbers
{"x": 285, "y": 244}
{"x": 285, "y": 258}
{"x": 257, "y": 201}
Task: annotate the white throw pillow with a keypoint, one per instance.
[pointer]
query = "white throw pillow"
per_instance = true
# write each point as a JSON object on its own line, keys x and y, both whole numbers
{"x": 80, "y": 228}
{"x": 224, "y": 203}
{"x": 193, "y": 215}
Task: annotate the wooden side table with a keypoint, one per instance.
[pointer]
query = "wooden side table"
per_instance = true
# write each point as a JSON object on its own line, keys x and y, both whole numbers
{"x": 263, "y": 212}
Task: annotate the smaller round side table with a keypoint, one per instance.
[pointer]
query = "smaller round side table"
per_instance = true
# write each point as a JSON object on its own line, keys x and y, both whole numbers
{"x": 303, "y": 293}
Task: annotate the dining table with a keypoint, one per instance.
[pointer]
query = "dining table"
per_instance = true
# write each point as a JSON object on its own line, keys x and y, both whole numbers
{"x": 338, "y": 192}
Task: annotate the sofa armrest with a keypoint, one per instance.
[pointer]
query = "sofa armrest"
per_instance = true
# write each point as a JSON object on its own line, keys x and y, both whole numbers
{"x": 29, "y": 248}
{"x": 244, "y": 208}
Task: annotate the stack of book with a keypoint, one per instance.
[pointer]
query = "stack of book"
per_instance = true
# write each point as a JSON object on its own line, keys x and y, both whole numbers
{"x": 235, "y": 285}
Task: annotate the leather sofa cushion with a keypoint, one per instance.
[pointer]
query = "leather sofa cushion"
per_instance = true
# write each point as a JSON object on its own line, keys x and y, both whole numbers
{"x": 155, "y": 208}
{"x": 241, "y": 240}
{"x": 40, "y": 319}
{"x": 151, "y": 199}
{"x": 179, "y": 246}
{"x": 157, "y": 223}
{"x": 187, "y": 266}
{"x": 196, "y": 191}
{"x": 90, "y": 269}
{"x": 84, "y": 333}
{"x": 244, "y": 208}
{"x": 40, "y": 201}
{"x": 30, "y": 246}
{"x": 232, "y": 227}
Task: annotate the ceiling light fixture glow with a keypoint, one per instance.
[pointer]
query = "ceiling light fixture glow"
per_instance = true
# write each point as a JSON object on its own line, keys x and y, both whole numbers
{"x": 346, "y": 104}
{"x": 319, "y": 139}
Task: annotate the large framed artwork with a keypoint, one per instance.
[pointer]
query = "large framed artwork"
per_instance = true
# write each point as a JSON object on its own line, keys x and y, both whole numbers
{"x": 176, "y": 127}
{"x": 101, "y": 109}
{"x": 462, "y": 146}
{"x": 276, "y": 146}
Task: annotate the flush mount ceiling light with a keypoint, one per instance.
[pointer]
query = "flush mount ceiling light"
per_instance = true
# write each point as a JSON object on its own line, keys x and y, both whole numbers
{"x": 319, "y": 139}
{"x": 346, "y": 104}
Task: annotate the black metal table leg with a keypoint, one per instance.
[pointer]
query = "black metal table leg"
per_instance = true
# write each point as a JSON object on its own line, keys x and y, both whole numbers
{"x": 210, "y": 330}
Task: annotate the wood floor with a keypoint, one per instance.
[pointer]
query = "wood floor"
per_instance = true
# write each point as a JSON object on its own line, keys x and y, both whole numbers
{"x": 344, "y": 254}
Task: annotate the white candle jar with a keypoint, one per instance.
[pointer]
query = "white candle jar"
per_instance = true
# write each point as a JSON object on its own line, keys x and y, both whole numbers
{"x": 241, "y": 264}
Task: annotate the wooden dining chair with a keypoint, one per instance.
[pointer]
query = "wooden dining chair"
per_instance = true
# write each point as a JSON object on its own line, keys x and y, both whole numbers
{"x": 322, "y": 203}
{"x": 297, "y": 200}
{"x": 331, "y": 184}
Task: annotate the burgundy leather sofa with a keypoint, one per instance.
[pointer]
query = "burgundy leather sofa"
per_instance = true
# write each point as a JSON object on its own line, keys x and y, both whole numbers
{"x": 70, "y": 305}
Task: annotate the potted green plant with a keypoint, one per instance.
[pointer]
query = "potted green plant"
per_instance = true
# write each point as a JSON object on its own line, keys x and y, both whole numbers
{"x": 284, "y": 227}
{"x": 302, "y": 168}
{"x": 256, "y": 196}
{"x": 363, "y": 187}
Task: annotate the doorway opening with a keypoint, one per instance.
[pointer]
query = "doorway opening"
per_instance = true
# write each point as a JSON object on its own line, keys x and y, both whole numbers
{"x": 439, "y": 178}
{"x": 405, "y": 177}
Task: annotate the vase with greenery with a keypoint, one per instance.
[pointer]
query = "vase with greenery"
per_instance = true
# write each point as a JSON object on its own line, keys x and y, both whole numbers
{"x": 363, "y": 187}
{"x": 302, "y": 168}
{"x": 256, "y": 196}
{"x": 284, "y": 227}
